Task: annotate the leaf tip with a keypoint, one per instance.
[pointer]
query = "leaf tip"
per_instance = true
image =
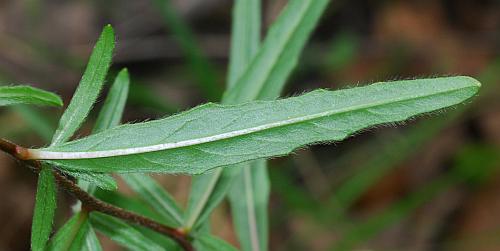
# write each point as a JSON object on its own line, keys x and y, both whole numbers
{"x": 108, "y": 31}
{"x": 473, "y": 81}
{"x": 124, "y": 72}
{"x": 58, "y": 101}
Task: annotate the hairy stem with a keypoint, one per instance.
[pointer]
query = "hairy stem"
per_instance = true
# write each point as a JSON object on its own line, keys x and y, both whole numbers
{"x": 90, "y": 203}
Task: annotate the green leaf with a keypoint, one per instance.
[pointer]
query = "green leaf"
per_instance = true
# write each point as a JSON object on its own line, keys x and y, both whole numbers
{"x": 72, "y": 235}
{"x": 156, "y": 197}
{"x": 122, "y": 233}
{"x": 131, "y": 204}
{"x": 249, "y": 200}
{"x": 91, "y": 242}
{"x": 245, "y": 37}
{"x": 139, "y": 207}
{"x": 112, "y": 110}
{"x": 16, "y": 95}
{"x": 207, "y": 191}
{"x": 45, "y": 207}
{"x": 279, "y": 53}
{"x": 89, "y": 87}
{"x": 208, "y": 242}
{"x": 216, "y": 135}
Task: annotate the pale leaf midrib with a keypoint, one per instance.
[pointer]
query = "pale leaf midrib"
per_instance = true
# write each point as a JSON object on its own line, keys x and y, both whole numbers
{"x": 251, "y": 217}
{"x": 43, "y": 154}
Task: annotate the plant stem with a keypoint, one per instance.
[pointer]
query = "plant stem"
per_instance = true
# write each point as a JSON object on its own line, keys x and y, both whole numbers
{"x": 90, "y": 203}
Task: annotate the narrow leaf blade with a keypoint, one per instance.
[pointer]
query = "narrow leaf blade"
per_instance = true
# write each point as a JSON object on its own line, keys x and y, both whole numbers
{"x": 89, "y": 87}
{"x": 196, "y": 141}
{"x": 112, "y": 110}
{"x": 249, "y": 200}
{"x": 208, "y": 242}
{"x": 17, "y": 95}
{"x": 279, "y": 54}
{"x": 91, "y": 242}
{"x": 245, "y": 36}
{"x": 72, "y": 234}
{"x": 154, "y": 195}
{"x": 45, "y": 207}
{"x": 122, "y": 233}
{"x": 207, "y": 191}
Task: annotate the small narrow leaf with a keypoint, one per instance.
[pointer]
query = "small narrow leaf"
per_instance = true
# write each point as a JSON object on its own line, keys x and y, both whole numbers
{"x": 249, "y": 199}
{"x": 154, "y": 195}
{"x": 245, "y": 36}
{"x": 208, "y": 242}
{"x": 89, "y": 87}
{"x": 45, "y": 207}
{"x": 17, "y": 95}
{"x": 215, "y": 135}
{"x": 279, "y": 53}
{"x": 112, "y": 110}
{"x": 122, "y": 233}
{"x": 91, "y": 242}
{"x": 72, "y": 235}
{"x": 207, "y": 191}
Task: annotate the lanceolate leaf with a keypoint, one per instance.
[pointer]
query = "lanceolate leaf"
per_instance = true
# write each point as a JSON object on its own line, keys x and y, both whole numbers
{"x": 207, "y": 242}
{"x": 16, "y": 95}
{"x": 72, "y": 235}
{"x": 215, "y": 135}
{"x": 249, "y": 199}
{"x": 45, "y": 207}
{"x": 206, "y": 193}
{"x": 91, "y": 242}
{"x": 154, "y": 195}
{"x": 279, "y": 54}
{"x": 245, "y": 36}
{"x": 122, "y": 233}
{"x": 89, "y": 87}
{"x": 112, "y": 110}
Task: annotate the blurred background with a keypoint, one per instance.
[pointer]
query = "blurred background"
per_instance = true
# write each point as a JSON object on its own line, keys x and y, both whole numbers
{"x": 432, "y": 184}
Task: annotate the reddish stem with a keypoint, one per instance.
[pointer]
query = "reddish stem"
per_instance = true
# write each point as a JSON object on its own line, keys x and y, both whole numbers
{"x": 90, "y": 203}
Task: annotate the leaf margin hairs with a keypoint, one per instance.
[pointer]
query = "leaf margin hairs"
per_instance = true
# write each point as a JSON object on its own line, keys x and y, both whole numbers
{"x": 89, "y": 87}
{"x": 455, "y": 89}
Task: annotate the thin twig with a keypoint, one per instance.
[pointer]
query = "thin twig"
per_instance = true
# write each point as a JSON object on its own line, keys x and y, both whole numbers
{"x": 90, "y": 203}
